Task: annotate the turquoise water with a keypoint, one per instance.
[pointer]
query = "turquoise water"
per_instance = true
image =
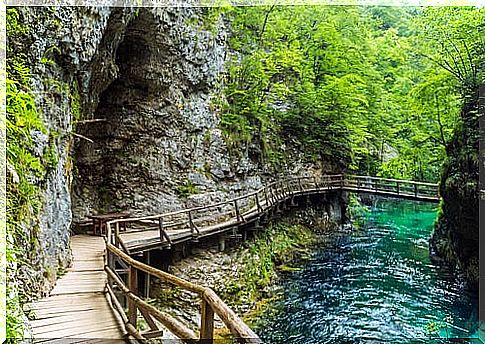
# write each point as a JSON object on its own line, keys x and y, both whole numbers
{"x": 375, "y": 284}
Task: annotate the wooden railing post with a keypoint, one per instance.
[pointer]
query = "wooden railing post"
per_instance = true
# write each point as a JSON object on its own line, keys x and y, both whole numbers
{"x": 236, "y": 206}
{"x": 266, "y": 196}
{"x": 117, "y": 234}
{"x": 415, "y": 190}
{"x": 206, "y": 323}
{"x": 193, "y": 228}
{"x": 191, "y": 223}
{"x": 163, "y": 234}
{"x": 279, "y": 193}
{"x": 108, "y": 233}
{"x": 272, "y": 195}
{"x": 299, "y": 184}
{"x": 397, "y": 187}
{"x": 160, "y": 227}
{"x": 110, "y": 259}
{"x": 133, "y": 286}
{"x": 257, "y": 203}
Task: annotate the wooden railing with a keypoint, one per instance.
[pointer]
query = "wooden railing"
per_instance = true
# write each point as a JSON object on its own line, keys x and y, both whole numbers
{"x": 394, "y": 187}
{"x": 226, "y": 214}
{"x": 239, "y": 208}
{"x": 210, "y": 304}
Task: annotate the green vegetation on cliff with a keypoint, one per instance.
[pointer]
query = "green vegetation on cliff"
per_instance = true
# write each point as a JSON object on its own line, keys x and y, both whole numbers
{"x": 356, "y": 87}
{"x": 23, "y": 168}
{"x": 27, "y": 163}
{"x": 461, "y": 53}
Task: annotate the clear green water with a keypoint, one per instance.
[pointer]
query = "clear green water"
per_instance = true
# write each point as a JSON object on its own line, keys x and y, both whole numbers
{"x": 375, "y": 284}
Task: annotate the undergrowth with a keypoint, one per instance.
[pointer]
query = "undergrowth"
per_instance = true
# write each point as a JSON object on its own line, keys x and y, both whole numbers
{"x": 356, "y": 211}
{"x": 25, "y": 170}
{"x": 273, "y": 249}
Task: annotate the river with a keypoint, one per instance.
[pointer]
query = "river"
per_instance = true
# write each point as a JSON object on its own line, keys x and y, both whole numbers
{"x": 373, "y": 284}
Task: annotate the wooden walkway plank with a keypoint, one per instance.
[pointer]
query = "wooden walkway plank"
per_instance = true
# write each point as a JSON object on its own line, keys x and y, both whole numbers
{"x": 77, "y": 306}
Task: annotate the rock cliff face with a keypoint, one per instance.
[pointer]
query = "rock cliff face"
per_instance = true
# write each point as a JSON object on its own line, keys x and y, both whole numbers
{"x": 156, "y": 133}
{"x": 456, "y": 235}
{"x": 126, "y": 97}
{"x": 57, "y": 44}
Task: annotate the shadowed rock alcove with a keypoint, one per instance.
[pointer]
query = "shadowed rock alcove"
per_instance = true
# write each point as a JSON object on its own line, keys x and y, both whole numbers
{"x": 125, "y": 166}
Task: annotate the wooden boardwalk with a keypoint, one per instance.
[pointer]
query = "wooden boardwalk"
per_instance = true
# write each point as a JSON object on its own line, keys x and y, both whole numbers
{"x": 161, "y": 231}
{"x": 77, "y": 309}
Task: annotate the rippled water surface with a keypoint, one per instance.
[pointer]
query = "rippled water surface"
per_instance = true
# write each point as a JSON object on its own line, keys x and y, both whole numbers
{"x": 373, "y": 284}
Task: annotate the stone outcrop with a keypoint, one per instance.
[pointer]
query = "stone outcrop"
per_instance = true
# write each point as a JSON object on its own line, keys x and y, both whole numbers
{"x": 455, "y": 238}
{"x": 157, "y": 133}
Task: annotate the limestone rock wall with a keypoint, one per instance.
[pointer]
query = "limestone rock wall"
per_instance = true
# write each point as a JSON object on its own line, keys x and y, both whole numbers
{"x": 58, "y": 45}
{"x": 157, "y": 133}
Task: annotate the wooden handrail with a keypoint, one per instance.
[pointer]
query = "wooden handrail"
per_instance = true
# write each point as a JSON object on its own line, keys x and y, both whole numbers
{"x": 129, "y": 327}
{"x": 270, "y": 186}
{"x": 168, "y": 321}
{"x": 162, "y": 275}
{"x": 277, "y": 191}
{"x": 236, "y": 326}
{"x": 392, "y": 180}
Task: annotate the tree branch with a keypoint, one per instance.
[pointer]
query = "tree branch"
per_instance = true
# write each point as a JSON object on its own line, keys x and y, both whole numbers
{"x": 443, "y": 141}
{"x": 445, "y": 66}
{"x": 264, "y": 24}
{"x": 82, "y": 137}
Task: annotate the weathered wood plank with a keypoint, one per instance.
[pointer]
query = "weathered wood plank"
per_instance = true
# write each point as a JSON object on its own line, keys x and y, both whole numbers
{"x": 94, "y": 319}
{"x": 51, "y": 312}
{"x": 77, "y": 306}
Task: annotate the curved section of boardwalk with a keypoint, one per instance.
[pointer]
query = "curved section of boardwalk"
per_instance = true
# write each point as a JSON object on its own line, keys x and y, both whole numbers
{"x": 77, "y": 309}
{"x": 163, "y": 230}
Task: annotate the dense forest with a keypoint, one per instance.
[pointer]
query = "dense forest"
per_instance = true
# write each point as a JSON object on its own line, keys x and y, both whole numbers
{"x": 379, "y": 91}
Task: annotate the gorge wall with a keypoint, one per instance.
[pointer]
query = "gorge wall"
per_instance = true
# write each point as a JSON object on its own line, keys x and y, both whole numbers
{"x": 126, "y": 99}
{"x": 456, "y": 234}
